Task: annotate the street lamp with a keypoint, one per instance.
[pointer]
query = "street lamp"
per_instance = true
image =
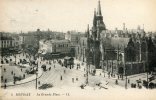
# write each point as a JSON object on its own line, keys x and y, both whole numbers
{"x": 126, "y": 78}
{"x": 125, "y": 69}
{"x": 83, "y": 53}
{"x": 147, "y": 62}
{"x": 15, "y": 59}
{"x": 36, "y": 78}
{"x": 37, "y": 73}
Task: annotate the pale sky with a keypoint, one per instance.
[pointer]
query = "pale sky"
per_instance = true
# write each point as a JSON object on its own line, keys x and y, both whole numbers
{"x": 64, "y": 15}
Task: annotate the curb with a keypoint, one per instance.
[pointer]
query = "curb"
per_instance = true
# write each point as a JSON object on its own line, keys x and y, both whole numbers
{"x": 24, "y": 82}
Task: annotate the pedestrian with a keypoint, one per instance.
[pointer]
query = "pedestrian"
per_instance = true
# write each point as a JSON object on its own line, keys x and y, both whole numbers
{"x": 61, "y": 77}
{"x": 21, "y": 69}
{"x": 76, "y": 79}
{"x": 24, "y": 76}
{"x": 128, "y": 81}
{"x": 11, "y": 72}
{"x": 116, "y": 82}
{"x": 38, "y": 82}
{"x": 4, "y": 70}
{"x": 2, "y": 78}
{"x": 64, "y": 71}
{"x": 49, "y": 68}
{"x": 14, "y": 82}
{"x": 5, "y": 86}
{"x": 5, "y": 81}
{"x": 73, "y": 80}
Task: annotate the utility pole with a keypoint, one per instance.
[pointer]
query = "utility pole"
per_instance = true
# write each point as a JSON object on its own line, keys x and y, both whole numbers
{"x": 118, "y": 59}
{"x": 140, "y": 52}
{"x": 147, "y": 62}
{"x": 125, "y": 69}
{"x": 103, "y": 61}
{"x": 87, "y": 74}
{"x": 83, "y": 54}
{"x": 112, "y": 67}
{"x": 15, "y": 59}
{"x": 88, "y": 55}
{"x": 118, "y": 56}
{"x": 107, "y": 60}
{"x": 37, "y": 73}
{"x": 126, "y": 78}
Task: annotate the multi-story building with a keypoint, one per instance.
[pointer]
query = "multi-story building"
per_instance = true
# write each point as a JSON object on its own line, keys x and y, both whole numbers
{"x": 82, "y": 48}
{"x": 33, "y": 38}
{"x": 74, "y": 37}
{"x": 8, "y": 43}
{"x": 105, "y": 45}
{"x": 54, "y": 46}
{"x": 95, "y": 37}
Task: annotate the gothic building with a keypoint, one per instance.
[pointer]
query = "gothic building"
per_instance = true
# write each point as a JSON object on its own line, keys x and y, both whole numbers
{"x": 94, "y": 39}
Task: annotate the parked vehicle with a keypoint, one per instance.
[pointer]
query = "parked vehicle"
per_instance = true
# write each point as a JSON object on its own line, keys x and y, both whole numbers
{"x": 45, "y": 86}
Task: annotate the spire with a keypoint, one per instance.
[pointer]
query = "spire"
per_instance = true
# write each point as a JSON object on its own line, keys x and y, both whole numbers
{"x": 94, "y": 19}
{"x": 88, "y": 31}
{"x": 88, "y": 40}
{"x": 99, "y": 9}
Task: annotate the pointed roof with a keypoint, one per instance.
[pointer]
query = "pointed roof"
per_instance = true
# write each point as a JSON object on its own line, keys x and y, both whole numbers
{"x": 99, "y": 9}
{"x": 94, "y": 19}
{"x": 88, "y": 31}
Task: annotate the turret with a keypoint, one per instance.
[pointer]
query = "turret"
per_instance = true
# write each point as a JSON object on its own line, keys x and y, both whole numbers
{"x": 99, "y": 9}
{"x": 94, "y": 19}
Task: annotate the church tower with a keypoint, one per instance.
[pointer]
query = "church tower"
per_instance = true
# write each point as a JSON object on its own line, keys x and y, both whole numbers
{"x": 98, "y": 27}
{"x": 98, "y": 24}
{"x": 99, "y": 17}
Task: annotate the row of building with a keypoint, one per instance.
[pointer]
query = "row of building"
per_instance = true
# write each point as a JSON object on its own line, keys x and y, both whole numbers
{"x": 98, "y": 46}
{"x": 133, "y": 51}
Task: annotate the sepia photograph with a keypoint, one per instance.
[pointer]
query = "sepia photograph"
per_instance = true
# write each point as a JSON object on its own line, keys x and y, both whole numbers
{"x": 78, "y": 49}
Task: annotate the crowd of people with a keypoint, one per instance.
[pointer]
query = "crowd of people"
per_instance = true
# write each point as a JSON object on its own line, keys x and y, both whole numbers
{"x": 12, "y": 71}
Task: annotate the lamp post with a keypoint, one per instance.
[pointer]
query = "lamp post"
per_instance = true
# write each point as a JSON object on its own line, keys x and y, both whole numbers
{"x": 37, "y": 73}
{"x": 83, "y": 53}
{"x": 147, "y": 62}
{"x": 87, "y": 74}
{"x": 36, "y": 79}
{"x": 15, "y": 59}
{"x": 125, "y": 69}
{"x": 103, "y": 61}
{"x": 126, "y": 78}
